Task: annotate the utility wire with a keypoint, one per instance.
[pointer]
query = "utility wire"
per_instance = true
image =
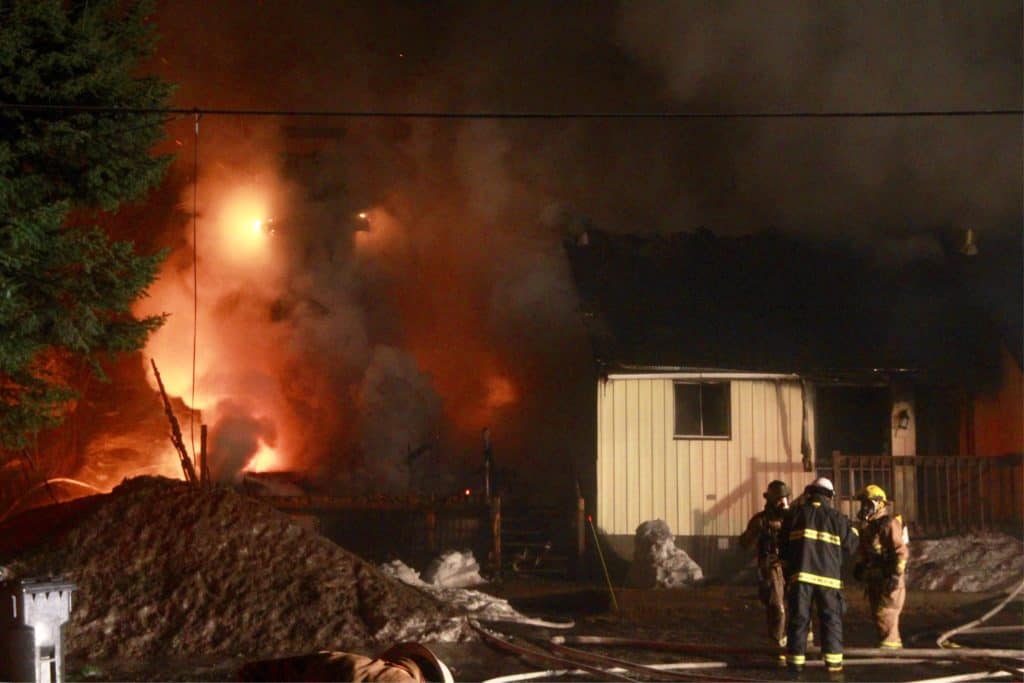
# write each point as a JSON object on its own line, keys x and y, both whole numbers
{"x": 912, "y": 113}
{"x": 195, "y": 281}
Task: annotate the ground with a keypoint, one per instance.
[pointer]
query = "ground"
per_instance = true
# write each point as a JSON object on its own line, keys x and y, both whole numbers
{"x": 712, "y": 614}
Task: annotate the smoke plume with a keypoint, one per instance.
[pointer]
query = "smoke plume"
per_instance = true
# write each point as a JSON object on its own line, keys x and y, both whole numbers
{"x": 408, "y": 284}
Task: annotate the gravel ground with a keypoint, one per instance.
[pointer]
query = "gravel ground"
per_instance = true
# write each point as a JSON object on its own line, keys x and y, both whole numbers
{"x": 716, "y": 615}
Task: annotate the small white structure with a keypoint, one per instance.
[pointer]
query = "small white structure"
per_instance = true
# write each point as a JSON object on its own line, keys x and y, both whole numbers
{"x": 32, "y": 616}
{"x": 696, "y": 449}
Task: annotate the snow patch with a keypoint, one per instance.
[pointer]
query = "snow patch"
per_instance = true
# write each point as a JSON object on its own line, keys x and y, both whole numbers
{"x": 453, "y": 569}
{"x": 982, "y": 562}
{"x": 473, "y": 603}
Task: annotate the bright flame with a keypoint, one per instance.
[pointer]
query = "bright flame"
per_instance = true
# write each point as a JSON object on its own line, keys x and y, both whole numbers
{"x": 241, "y": 223}
{"x": 266, "y": 459}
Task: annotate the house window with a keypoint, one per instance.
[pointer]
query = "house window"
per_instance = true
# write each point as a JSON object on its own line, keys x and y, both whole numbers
{"x": 702, "y": 409}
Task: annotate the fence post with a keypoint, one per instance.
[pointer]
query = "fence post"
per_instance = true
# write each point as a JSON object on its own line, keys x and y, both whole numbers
{"x": 496, "y": 534}
{"x": 835, "y": 475}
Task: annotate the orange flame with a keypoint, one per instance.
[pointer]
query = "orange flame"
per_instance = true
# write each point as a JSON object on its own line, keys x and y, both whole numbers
{"x": 266, "y": 459}
{"x": 238, "y": 271}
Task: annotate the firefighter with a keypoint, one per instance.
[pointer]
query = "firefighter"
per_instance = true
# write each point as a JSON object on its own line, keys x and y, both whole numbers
{"x": 813, "y": 538}
{"x": 763, "y": 533}
{"x": 882, "y": 562}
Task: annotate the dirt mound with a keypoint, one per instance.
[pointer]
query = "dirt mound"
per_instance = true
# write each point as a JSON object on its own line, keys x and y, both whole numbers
{"x": 162, "y": 568}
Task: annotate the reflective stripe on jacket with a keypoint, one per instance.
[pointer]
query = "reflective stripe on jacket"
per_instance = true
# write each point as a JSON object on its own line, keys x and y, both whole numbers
{"x": 814, "y": 537}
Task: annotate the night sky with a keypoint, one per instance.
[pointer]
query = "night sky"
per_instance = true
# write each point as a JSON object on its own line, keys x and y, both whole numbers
{"x": 456, "y": 310}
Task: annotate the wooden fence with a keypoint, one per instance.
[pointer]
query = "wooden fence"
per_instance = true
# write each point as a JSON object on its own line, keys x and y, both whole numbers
{"x": 939, "y": 495}
{"x": 414, "y": 528}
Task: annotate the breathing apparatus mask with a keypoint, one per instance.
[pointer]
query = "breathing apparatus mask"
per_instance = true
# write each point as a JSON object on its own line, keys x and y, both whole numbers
{"x": 868, "y": 508}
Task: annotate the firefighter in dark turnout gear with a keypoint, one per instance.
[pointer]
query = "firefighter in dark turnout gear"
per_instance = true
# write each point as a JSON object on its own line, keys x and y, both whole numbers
{"x": 881, "y": 563}
{"x": 763, "y": 533}
{"x": 813, "y": 538}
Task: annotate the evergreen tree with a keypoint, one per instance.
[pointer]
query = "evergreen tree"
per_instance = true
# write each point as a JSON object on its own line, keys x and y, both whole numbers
{"x": 66, "y": 288}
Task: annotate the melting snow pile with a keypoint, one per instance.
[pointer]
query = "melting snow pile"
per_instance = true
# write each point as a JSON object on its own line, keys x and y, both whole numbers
{"x": 977, "y": 563}
{"x": 475, "y": 604}
{"x": 657, "y": 562}
{"x": 163, "y": 568}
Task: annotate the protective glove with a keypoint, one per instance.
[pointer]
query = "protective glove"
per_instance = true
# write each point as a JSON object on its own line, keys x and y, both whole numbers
{"x": 892, "y": 583}
{"x": 858, "y": 571}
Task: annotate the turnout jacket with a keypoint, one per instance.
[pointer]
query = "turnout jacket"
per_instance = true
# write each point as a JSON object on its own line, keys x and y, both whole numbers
{"x": 763, "y": 529}
{"x": 883, "y": 550}
{"x": 812, "y": 541}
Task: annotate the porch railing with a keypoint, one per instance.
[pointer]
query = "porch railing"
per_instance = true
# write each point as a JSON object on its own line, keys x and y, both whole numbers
{"x": 939, "y": 495}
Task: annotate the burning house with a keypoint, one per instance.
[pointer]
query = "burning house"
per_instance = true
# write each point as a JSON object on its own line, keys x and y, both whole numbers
{"x": 725, "y": 363}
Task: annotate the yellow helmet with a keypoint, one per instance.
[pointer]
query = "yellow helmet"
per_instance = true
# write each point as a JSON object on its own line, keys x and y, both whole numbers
{"x": 872, "y": 492}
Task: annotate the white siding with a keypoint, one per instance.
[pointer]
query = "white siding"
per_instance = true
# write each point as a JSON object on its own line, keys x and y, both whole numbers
{"x": 700, "y": 487}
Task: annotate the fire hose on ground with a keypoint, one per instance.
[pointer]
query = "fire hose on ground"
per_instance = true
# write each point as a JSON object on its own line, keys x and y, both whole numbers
{"x": 688, "y": 648}
{"x": 578, "y": 662}
{"x": 994, "y": 663}
{"x": 974, "y": 626}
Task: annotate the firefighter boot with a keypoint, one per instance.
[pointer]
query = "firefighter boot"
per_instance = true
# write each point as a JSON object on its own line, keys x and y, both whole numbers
{"x": 833, "y": 663}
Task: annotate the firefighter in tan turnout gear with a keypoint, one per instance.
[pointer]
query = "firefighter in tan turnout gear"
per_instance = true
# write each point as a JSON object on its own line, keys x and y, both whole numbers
{"x": 763, "y": 533}
{"x": 882, "y": 563}
{"x": 814, "y": 537}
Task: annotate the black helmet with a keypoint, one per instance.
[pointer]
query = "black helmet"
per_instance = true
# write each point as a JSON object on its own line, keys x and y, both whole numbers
{"x": 777, "y": 489}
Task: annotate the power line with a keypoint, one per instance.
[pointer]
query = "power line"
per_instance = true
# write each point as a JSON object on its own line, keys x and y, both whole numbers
{"x": 522, "y": 115}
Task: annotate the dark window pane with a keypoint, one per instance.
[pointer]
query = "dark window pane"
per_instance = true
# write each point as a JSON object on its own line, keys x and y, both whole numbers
{"x": 715, "y": 407}
{"x": 687, "y": 409}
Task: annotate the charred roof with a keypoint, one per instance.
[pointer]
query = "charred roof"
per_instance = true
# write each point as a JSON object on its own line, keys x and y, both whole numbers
{"x": 775, "y": 303}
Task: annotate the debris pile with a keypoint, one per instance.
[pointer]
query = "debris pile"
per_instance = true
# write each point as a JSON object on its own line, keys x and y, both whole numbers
{"x": 164, "y": 568}
{"x": 657, "y": 562}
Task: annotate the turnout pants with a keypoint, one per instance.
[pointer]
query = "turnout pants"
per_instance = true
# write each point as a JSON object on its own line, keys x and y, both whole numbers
{"x": 829, "y": 602}
{"x": 773, "y": 597}
{"x": 886, "y": 608}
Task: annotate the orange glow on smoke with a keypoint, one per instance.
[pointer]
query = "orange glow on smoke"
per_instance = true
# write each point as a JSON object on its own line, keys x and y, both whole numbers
{"x": 500, "y": 392}
{"x": 379, "y": 233}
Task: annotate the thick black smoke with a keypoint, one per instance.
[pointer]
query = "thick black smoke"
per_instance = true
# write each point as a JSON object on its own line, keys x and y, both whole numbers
{"x": 472, "y": 282}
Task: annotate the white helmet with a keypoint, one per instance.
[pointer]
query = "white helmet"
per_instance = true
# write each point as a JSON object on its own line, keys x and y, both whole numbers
{"x": 824, "y": 483}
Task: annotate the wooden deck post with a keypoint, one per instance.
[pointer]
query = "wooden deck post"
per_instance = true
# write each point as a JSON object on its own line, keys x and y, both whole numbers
{"x": 204, "y": 469}
{"x": 581, "y": 536}
{"x": 431, "y": 523}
